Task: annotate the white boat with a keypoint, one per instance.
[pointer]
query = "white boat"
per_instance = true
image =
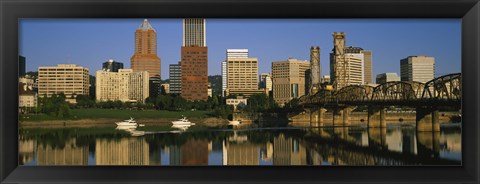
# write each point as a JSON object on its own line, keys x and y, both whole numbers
{"x": 183, "y": 121}
{"x": 234, "y": 123}
{"x": 127, "y": 123}
{"x": 181, "y": 127}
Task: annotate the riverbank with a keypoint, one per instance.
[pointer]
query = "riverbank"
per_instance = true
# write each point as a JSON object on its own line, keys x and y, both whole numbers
{"x": 104, "y": 122}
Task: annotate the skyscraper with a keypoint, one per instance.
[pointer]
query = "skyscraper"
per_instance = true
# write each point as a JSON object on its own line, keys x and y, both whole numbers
{"x": 231, "y": 53}
{"x": 387, "y": 77}
{"x": 124, "y": 85}
{"x": 417, "y": 68}
{"x": 242, "y": 76}
{"x": 194, "y": 32}
{"x": 288, "y": 79}
{"x": 175, "y": 76}
{"x": 314, "y": 69}
{"x": 194, "y": 63}
{"x": 112, "y": 65}
{"x": 21, "y": 66}
{"x": 145, "y": 57}
{"x": 224, "y": 77}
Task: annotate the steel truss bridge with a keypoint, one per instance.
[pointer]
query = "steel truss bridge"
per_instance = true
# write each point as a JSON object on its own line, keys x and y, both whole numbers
{"x": 443, "y": 91}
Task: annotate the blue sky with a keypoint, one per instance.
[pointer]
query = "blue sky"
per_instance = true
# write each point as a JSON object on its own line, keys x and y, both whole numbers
{"x": 90, "y": 42}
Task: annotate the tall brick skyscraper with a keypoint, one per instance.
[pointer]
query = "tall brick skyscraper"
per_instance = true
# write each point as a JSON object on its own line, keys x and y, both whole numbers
{"x": 145, "y": 57}
{"x": 194, "y": 63}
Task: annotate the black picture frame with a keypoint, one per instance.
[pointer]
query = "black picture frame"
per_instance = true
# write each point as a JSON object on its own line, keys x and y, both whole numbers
{"x": 12, "y": 10}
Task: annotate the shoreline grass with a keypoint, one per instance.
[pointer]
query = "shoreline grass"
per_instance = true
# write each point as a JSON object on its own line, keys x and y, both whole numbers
{"x": 96, "y": 113}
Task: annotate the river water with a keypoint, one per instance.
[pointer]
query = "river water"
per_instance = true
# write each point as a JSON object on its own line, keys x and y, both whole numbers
{"x": 162, "y": 146}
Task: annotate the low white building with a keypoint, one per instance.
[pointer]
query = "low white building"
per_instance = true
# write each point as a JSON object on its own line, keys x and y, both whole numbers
{"x": 236, "y": 102}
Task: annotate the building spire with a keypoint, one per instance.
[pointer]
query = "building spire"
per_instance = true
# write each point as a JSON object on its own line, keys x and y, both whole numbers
{"x": 146, "y": 26}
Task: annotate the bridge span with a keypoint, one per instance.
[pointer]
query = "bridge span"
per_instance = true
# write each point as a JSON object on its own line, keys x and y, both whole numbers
{"x": 444, "y": 92}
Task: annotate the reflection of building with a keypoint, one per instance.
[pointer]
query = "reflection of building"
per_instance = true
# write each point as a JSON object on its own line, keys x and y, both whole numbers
{"x": 394, "y": 141}
{"x": 175, "y": 78}
{"x": 288, "y": 151}
{"x": 145, "y": 57}
{"x": 267, "y": 151}
{"x": 69, "y": 154}
{"x": 26, "y": 151}
{"x": 288, "y": 79}
{"x": 242, "y": 102}
{"x": 126, "y": 151}
{"x": 244, "y": 153}
{"x": 69, "y": 79}
{"x": 194, "y": 152}
{"x": 387, "y": 77}
{"x": 124, "y": 85}
{"x": 417, "y": 68}
{"x": 175, "y": 155}
{"x": 112, "y": 66}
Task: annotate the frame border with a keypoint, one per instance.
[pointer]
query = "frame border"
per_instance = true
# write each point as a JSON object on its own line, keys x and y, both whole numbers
{"x": 12, "y": 10}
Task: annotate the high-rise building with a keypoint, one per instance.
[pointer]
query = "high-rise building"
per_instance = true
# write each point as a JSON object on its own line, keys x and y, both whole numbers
{"x": 194, "y": 69}
{"x": 194, "y": 63}
{"x": 417, "y": 68}
{"x": 175, "y": 75}
{"x": 224, "y": 77}
{"x": 231, "y": 53}
{"x": 21, "y": 66}
{"x": 124, "y": 85}
{"x": 194, "y": 32}
{"x": 145, "y": 57}
{"x": 69, "y": 79}
{"x": 289, "y": 79}
{"x": 387, "y": 77}
{"x": 266, "y": 81}
{"x": 237, "y": 53}
{"x": 112, "y": 65}
{"x": 242, "y": 76}
{"x": 314, "y": 70}
{"x": 155, "y": 86}
{"x": 367, "y": 65}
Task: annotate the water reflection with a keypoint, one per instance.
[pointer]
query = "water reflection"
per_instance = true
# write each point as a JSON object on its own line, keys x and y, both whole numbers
{"x": 395, "y": 145}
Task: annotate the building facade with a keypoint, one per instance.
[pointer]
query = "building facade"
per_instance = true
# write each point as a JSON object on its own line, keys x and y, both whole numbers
{"x": 21, "y": 66}
{"x": 175, "y": 75}
{"x": 166, "y": 87}
{"x": 145, "y": 57}
{"x": 236, "y": 102}
{"x": 288, "y": 79}
{"x": 124, "y": 85}
{"x": 266, "y": 82}
{"x": 112, "y": 65}
{"x": 194, "y": 32}
{"x": 194, "y": 73}
{"x": 69, "y": 79}
{"x": 417, "y": 68}
{"x": 386, "y": 77}
{"x": 242, "y": 76}
{"x": 194, "y": 63}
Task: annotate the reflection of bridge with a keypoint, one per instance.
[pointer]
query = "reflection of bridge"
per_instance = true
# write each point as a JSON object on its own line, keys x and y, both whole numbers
{"x": 338, "y": 149}
{"x": 427, "y": 98}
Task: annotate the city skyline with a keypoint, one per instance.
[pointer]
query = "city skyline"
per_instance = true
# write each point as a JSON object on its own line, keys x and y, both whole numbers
{"x": 268, "y": 40}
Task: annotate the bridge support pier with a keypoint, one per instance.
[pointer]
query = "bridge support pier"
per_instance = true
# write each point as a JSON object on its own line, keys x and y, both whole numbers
{"x": 428, "y": 144}
{"x": 346, "y": 116}
{"x": 316, "y": 116}
{"x": 376, "y": 117}
{"x": 377, "y": 137}
{"x": 427, "y": 119}
{"x": 337, "y": 116}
